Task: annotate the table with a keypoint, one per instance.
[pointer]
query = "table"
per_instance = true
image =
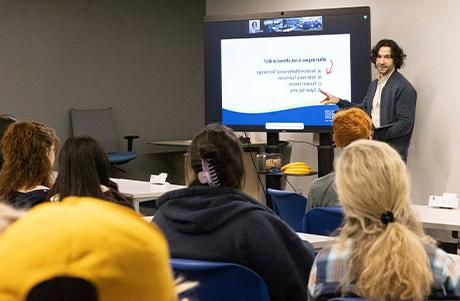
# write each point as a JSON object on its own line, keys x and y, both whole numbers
{"x": 438, "y": 218}
{"x": 318, "y": 241}
{"x": 142, "y": 191}
{"x": 248, "y": 147}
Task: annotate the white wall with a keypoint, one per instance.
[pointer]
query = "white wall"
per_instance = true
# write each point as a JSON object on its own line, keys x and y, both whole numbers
{"x": 428, "y": 33}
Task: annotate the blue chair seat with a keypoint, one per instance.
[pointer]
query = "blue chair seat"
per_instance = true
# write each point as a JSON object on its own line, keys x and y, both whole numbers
{"x": 289, "y": 206}
{"x": 323, "y": 220}
{"x": 220, "y": 281}
{"x": 120, "y": 158}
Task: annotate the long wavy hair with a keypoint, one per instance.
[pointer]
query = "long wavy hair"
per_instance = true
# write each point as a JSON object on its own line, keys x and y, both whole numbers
{"x": 25, "y": 147}
{"x": 219, "y": 144}
{"x": 388, "y": 261}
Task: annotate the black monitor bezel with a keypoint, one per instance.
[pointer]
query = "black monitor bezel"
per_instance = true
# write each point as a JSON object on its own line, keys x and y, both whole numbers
{"x": 359, "y": 78}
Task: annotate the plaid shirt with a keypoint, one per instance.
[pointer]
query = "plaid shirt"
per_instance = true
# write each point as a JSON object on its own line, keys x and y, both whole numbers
{"x": 330, "y": 268}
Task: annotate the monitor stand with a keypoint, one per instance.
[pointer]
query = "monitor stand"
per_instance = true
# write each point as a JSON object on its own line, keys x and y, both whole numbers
{"x": 272, "y": 180}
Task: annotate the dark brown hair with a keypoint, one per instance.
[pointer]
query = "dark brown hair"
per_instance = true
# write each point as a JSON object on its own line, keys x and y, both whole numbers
{"x": 218, "y": 143}
{"x": 397, "y": 54}
{"x": 83, "y": 168}
{"x": 25, "y": 147}
{"x": 5, "y": 121}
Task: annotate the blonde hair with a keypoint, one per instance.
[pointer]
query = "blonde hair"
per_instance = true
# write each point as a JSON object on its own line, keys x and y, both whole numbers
{"x": 388, "y": 261}
{"x": 350, "y": 125}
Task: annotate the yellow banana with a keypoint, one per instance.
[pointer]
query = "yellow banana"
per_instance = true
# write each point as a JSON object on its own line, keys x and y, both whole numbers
{"x": 297, "y": 173}
{"x": 294, "y": 164}
{"x": 298, "y": 168}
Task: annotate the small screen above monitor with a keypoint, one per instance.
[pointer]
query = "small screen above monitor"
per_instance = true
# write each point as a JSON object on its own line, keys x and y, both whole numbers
{"x": 264, "y": 72}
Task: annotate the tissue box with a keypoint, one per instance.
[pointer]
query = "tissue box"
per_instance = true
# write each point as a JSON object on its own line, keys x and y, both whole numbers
{"x": 159, "y": 179}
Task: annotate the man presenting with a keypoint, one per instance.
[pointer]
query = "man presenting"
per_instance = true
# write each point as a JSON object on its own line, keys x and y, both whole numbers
{"x": 390, "y": 99}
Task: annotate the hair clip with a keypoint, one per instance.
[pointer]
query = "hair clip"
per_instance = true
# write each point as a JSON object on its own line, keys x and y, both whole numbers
{"x": 387, "y": 217}
{"x": 208, "y": 175}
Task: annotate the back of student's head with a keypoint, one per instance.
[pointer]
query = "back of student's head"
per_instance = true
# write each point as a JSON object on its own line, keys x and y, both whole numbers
{"x": 388, "y": 260}
{"x": 83, "y": 167}
{"x": 5, "y": 121}
{"x": 84, "y": 249}
{"x": 350, "y": 125}
{"x": 26, "y": 148}
{"x": 220, "y": 146}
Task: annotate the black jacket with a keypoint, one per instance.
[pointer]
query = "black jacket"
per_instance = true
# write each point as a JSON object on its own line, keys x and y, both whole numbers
{"x": 224, "y": 224}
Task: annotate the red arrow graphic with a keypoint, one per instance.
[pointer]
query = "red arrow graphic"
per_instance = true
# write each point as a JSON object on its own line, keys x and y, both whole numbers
{"x": 329, "y": 70}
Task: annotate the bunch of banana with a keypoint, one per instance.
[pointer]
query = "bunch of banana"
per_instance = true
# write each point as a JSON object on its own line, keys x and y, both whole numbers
{"x": 296, "y": 168}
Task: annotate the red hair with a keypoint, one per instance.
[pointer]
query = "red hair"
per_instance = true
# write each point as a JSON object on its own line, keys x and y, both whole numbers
{"x": 350, "y": 125}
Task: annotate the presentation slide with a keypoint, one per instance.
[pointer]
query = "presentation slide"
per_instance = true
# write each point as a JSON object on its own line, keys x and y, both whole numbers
{"x": 276, "y": 75}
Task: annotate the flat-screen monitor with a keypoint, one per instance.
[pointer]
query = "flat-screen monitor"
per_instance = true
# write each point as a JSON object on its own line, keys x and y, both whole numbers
{"x": 263, "y": 72}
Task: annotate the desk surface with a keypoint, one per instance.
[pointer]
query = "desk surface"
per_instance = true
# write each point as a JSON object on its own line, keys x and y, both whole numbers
{"x": 144, "y": 189}
{"x": 171, "y": 142}
{"x": 438, "y": 218}
{"x": 318, "y": 241}
{"x": 253, "y": 146}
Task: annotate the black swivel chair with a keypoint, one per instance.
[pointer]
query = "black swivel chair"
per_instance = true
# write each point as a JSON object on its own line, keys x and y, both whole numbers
{"x": 100, "y": 124}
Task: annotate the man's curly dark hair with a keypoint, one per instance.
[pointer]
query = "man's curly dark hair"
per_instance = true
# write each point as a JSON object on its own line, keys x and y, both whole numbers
{"x": 397, "y": 53}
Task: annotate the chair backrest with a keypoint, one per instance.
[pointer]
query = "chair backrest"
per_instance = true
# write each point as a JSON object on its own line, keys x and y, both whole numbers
{"x": 97, "y": 123}
{"x": 323, "y": 220}
{"x": 289, "y": 206}
{"x": 220, "y": 281}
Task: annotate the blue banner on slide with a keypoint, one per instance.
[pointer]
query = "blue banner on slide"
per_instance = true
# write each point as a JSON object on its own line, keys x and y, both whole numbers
{"x": 320, "y": 115}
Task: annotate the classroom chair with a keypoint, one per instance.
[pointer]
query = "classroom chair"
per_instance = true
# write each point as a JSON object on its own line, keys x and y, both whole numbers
{"x": 100, "y": 124}
{"x": 289, "y": 206}
{"x": 323, "y": 220}
{"x": 220, "y": 281}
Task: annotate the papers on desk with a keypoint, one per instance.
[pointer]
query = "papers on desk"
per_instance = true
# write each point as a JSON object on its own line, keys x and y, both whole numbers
{"x": 159, "y": 179}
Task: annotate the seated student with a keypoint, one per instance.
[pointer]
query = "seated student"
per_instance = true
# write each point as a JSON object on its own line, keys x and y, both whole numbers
{"x": 5, "y": 121}
{"x": 348, "y": 125}
{"x": 83, "y": 249}
{"x": 84, "y": 171}
{"x": 382, "y": 253}
{"x": 29, "y": 150}
{"x": 214, "y": 220}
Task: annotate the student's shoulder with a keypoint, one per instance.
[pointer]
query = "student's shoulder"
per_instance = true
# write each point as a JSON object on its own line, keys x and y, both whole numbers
{"x": 330, "y": 177}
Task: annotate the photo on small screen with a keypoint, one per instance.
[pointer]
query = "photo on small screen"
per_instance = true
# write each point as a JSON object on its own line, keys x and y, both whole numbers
{"x": 312, "y": 23}
{"x": 254, "y": 26}
{"x": 293, "y": 24}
